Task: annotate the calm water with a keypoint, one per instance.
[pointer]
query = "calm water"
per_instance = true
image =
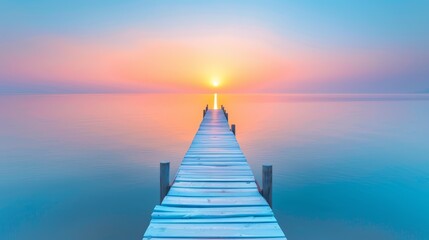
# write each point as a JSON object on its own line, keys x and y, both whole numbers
{"x": 86, "y": 166}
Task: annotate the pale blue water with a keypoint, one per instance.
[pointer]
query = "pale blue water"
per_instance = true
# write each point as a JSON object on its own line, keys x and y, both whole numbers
{"x": 86, "y": 166}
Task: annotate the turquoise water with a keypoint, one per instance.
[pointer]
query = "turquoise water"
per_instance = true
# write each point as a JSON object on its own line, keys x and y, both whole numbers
{"x": 86, "y": 166}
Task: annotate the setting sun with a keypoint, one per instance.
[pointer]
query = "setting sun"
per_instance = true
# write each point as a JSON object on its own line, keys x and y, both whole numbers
{"x": 215, "y": 81}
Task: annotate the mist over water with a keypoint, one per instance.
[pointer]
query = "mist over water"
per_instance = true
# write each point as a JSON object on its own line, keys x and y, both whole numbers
{"x": 86, "y": 166}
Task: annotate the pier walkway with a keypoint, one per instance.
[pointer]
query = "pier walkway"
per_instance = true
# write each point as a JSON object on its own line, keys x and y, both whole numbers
{"x": 214, "y": 194}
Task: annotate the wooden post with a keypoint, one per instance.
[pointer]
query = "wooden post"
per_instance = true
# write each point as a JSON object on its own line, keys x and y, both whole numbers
{"x": 207, "y": 107}
{"x": 226, "y": 115}
{"x": 204, "y": 113}
{"x": 164, "y": 179}
{"x": 233, "y": 128}
{"x": 267, "y": 183}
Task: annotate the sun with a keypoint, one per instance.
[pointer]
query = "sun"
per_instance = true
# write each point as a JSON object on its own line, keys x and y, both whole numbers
{"x": 215, "y": 81}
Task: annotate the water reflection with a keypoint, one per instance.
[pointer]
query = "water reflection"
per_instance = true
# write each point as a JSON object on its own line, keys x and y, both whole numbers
{"x": 348, "y": 166}
{"x": 215, "y": 101}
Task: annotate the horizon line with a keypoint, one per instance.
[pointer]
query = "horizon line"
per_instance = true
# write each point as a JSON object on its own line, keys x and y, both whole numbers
{"x": 205, "y": 93}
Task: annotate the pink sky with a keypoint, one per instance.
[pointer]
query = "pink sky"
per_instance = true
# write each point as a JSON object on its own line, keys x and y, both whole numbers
{"x": 188, "y": 63}
{"x": 182, "y": 52}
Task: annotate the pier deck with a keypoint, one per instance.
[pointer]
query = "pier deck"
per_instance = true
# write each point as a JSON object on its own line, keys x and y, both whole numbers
{"x": 214, "y": 194}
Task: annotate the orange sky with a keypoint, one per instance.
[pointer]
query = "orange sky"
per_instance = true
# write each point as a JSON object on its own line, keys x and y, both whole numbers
{"x": 249, "y": 48}
{"x": 188, "y": 63}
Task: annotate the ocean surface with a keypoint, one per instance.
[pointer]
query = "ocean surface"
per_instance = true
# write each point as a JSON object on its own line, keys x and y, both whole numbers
{"x": 87, "y": 166}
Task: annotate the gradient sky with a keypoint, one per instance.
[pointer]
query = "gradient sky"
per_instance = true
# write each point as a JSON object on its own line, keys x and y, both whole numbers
{"x": 332, "y": 46}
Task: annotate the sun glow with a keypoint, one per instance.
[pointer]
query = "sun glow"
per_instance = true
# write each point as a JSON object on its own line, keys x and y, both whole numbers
{"x": 215, "y": 81}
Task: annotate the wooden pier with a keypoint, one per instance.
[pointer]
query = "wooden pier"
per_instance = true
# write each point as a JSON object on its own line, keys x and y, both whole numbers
{"x": 214, "y": 194}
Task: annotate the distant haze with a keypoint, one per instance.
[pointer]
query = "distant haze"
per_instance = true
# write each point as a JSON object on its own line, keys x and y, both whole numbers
{"x": 329, "y": 46}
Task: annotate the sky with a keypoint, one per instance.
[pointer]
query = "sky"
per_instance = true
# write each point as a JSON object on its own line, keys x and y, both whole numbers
{"x": 331, "y": 46}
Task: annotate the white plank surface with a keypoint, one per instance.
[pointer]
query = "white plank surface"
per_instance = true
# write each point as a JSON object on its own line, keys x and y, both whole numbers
{"x": 222, "y": 185}
{"x": 210, "y": 192}
{"x": 250, "y": 238}
{"x": 214, "y": 194}
{"x": 219, "y": 230}
{"x": 209, "y": 219}
{"x": 250, "y": 210}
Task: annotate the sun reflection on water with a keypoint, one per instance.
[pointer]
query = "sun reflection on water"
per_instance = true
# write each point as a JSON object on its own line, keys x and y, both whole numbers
{"x": 215, "y": 101}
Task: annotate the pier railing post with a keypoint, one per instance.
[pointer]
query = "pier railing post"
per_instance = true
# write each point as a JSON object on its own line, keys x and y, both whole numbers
{"x": 226, "y": 116}
{"x": 267, "y": 183}
{"x": 204, "y": 113}
{"x": 207, "y": 107}
{"x": 164, "y": 179}
{"x": 233, "y": 128}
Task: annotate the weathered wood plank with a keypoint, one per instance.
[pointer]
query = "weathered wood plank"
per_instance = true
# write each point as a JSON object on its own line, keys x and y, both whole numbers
{"x": 210, "y": 219}
{"x": 250, "y": 238}
{"x": 220, "y": 168}
{"x": 214, "y": 230}
{"x": 209, "y": 214}
{"x": 192, "y": 192}
{"x": 216, "y": 210}
{"x": 215, "y": 173}
{"x": 213, "y": 201}
{"x": 189, "y": 178}
{"x": 223, "y": 185}
{"x": 216, "y": 163}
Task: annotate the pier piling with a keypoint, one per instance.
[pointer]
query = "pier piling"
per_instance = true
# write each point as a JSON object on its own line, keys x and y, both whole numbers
{"x": 267, "y": 183}
{"x": 164, "y": 179}
{"x": 233, "y": 128}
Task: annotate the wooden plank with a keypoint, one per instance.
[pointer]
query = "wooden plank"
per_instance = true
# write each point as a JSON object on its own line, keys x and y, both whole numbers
{"x": 192, "y": 192}
{"x": 216, "y": 163}
{"x": 250, "y": 238}
{"x": 189, "y": 178}
{"x": 229, "y": 219}
{"x": 217, "y": 230}
{"x": 219, "y": 159}
{"x": 213, "y": 201}
{"x": 216, "y": 159}
{"x": 223, "y": 185}
{"x": 216, "y": 172}
{"x": 220, "y": 168}
{"x": 219, "y": 210}
{"x": 209, "y": 214}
